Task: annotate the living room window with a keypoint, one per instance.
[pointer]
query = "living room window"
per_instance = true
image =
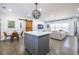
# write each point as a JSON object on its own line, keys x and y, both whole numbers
{"x": 60, "y": 26}
{"x": 65, "y": 27}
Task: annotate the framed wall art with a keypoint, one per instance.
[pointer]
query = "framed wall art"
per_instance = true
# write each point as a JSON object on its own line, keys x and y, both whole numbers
{"x": 11, "y": 24}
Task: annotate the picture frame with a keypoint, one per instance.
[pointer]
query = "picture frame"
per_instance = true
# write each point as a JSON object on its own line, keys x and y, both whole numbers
{"x": 11, "y": 24}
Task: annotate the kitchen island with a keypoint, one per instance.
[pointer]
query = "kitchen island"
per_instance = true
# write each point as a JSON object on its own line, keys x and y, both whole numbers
{"x": 37, "y": 43}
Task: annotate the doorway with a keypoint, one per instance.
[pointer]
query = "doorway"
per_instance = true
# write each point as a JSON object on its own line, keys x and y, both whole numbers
{"x": 28, "y": 25}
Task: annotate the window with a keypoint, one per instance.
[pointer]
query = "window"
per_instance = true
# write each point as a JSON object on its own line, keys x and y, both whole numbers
{"x": 65, "y": 27}
{"x": 52, "y": 26}
{"x": 60, "y": 26}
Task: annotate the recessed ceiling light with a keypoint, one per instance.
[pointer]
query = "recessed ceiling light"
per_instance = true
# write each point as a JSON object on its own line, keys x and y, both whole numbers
{"x": 40, "y": 9}
{"x": 77, "y": 8}
{"x": 10, "y": 10}
{"x": 48, "y": 17}
{"x": 51, "y": 16}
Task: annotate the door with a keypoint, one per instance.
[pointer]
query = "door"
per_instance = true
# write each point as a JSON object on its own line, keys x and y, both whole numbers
{"x": 28, "y": 25}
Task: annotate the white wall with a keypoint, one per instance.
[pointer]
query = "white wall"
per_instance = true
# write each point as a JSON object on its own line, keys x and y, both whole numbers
{"x": 35, "y": 25}
{"x": 5, "y": 18}
{"x": 71, "y": 24}
{"x": 4, "y": 24}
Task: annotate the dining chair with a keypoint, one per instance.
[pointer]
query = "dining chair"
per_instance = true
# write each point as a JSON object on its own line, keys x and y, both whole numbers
{"x": 21, "y": 34}
{"x": 6, "y": 35}
{"x": 14, "y": 35}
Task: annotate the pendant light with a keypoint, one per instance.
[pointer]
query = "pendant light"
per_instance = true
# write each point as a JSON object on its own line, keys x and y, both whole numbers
{"x": 36, "y": 13}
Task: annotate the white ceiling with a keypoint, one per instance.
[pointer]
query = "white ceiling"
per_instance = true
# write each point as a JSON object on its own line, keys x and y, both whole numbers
{"x": 48, "y": 9}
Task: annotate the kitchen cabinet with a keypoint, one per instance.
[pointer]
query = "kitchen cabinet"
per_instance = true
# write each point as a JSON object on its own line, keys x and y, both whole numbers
{"x": 37, "y": 43}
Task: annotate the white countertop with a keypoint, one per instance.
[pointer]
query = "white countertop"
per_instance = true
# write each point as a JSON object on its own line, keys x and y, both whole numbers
{"x": 38, "y": 33}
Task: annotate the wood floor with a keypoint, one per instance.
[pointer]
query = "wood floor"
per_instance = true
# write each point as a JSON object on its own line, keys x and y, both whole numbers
{"x": 56, "y": 47}
{"x": 66, "y": 47}
{"x": 15, "y": 48}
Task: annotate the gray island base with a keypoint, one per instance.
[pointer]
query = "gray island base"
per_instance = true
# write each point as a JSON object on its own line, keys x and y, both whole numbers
{"x": 37, "y": 43}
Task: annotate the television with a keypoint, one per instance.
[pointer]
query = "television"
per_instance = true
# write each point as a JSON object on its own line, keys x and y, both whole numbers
{"x": 40, "y": 26}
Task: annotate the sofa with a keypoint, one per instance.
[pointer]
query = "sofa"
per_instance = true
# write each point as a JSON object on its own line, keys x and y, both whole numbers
{"x": 59, "y": 35}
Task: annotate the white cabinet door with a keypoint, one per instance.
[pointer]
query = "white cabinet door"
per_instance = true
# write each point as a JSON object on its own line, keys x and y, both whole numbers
{"x": 43, "y": 44}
